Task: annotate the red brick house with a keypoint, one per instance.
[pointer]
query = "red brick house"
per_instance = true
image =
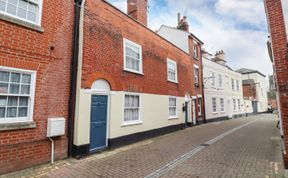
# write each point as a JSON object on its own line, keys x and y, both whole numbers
{"x": 277, "y": 16}
{"x": 132, "y": 83}
{"x": 35, "y": 61}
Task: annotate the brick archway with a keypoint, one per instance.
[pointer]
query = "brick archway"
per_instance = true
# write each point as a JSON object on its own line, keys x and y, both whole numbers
{"x": 96, "y": 76}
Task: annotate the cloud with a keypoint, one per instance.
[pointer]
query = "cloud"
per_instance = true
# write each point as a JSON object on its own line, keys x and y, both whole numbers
{"x": 236, "y": 26}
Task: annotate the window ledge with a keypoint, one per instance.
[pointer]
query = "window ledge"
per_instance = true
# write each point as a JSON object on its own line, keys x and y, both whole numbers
{"x": 173, "y": 118}
{"x": 17, "y": 125}
{"x": 131, "y": 123}
{"x": 21, "y": 23}
{"x": 134, "y": 72}
{"x": 176, "y": 82}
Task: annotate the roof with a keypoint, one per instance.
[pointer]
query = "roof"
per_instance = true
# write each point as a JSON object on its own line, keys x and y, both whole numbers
{"x": 249, "y": 71}
{"x": 188, "y": 33}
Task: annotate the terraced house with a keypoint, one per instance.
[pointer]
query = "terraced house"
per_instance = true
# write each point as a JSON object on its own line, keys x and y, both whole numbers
{"x": 35, "y": 58}
{"x": 132, "y": 83}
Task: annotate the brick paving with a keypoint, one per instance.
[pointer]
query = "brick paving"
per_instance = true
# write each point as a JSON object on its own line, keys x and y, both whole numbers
{"x": 252, "y": 151}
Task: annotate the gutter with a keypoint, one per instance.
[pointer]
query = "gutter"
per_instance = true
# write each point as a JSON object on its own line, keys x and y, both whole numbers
{"x": 73, "y": 79}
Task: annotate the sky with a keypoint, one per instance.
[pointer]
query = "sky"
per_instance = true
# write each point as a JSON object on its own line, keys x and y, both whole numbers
{"x": 238, "y": 27}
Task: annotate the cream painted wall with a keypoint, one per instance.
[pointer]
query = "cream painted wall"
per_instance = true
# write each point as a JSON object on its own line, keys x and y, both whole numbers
{"x": 218, "y": 92}
{"x": 153, "y": 114}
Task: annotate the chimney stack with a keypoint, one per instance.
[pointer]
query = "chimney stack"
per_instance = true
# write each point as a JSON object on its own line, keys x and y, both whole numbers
{"x": 220, "y": 58}
{"x": 182, "y": 23}
{"x": 137, "y": 9}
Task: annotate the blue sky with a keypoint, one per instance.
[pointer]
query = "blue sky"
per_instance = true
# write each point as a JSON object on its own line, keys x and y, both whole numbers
{"x": 236, "y": 26}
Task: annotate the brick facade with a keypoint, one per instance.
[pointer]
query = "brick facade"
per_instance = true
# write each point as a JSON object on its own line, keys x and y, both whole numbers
{"x": 49, "y": 54}
{"x": 105, "y": 27}
{"x": 279, "y": 46}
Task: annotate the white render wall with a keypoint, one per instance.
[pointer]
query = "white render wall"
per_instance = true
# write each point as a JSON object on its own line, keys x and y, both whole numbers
{"x": 261, "y": 90}
{"x": 154, "y": 111}
{"x": 224, "y": 92}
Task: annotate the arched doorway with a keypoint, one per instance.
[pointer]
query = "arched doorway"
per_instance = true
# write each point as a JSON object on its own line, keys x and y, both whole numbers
{"x": 100, "y": 90}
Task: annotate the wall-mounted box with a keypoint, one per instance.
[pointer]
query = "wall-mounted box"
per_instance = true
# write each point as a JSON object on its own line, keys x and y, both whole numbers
{"x": 55, "y": 127}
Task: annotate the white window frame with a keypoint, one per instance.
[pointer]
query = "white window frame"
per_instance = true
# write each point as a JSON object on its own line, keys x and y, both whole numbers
{"x": 195, "y": 50}
{"x": 214, "y": 104}
{"x": 233, "y": 84}
{"x": 30, "y": 111}
{"x": 222, "y": 105}
{"x": 196, "y": 77}
{"x": 176, "y": 108}
{"x": 134, "y": 122}
{"x": 237, "y": 85}
{"x": 126, "y": 41}
{"x": 39, "y": 17}
{"x": 239, "y": 104}
{"x": 176, "y": 73}
{"x": 213, "y": 79}
{"x": 234, "y": 105}
{"x": 220, "y": 81}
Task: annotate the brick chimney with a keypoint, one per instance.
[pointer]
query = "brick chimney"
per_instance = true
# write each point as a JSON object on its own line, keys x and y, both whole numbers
{"x": 137, "y": 9}
{"x": 220, "y": 58}
{"x": 182, "y": 23}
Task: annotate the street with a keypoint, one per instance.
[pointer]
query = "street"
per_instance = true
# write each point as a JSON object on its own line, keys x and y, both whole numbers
{"x": 243, "y": 147}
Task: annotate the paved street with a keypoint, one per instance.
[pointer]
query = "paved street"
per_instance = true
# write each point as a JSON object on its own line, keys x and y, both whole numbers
{"x": 245, "y": 147}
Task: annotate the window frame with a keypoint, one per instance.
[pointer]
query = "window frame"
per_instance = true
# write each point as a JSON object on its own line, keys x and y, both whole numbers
{"x": 176, "y": 108}
{"x": 133, "y": 122}
{"x": 39, "y": 17}
{"x": 125, "y": 41}
{"x": 195, "y": 51}
{"x": 237, "y": 85}
{"x": 214, "y": 111}
{"x": 196, "y": 77}
{"x": 176, "y": 71}
{"x": 222, "y": 105}
{"x": 239, "y": 104}
{"x": 31, "y": 101}
{"x": 220, "y": 81}
{"x": 234, "y": 105}
{"x": 213, "y": 77}
{"x": 199, "y": 106}
{"x": 232, "y": 84}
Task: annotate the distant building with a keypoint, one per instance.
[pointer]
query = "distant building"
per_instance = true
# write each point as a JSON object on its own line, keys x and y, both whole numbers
{"x": 277, "y": 18}
{"x": 222, "y": 88}
{"x": 255, "y": 88}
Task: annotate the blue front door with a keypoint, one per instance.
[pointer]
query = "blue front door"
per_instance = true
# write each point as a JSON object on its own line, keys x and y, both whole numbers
{"x": 98, "y": 125}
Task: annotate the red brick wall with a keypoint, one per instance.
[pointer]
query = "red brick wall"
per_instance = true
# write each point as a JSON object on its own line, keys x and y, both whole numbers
{"x": 29, "y": 49}
{"x": 104, "y": 30}
{"x": 279, "y": 45}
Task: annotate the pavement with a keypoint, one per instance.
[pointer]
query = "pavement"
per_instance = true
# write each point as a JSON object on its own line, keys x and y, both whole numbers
{"x": 243, "y": 147}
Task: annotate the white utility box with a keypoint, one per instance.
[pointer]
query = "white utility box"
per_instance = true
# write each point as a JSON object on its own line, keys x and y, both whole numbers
{"x": 55, "y": 127}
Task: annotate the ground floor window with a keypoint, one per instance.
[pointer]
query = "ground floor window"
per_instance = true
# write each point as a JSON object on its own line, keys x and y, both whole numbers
{"x": 16, "y": 95}
{"x": 234, "y": 105}
{"x": 131, "y": 108}
{"x": 239, "y": 104}
{"x": 172, "y": 107}
{"x": 214, "y": 105}
{"x": 222, "y": 104}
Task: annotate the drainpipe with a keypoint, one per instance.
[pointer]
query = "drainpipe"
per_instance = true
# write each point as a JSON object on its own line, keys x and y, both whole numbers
{"x": 73, "y": 79}
{"x": 203, "y": 95}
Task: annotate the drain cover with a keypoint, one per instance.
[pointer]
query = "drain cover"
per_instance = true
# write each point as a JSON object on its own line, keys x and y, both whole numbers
{"x": 204, "y": 144}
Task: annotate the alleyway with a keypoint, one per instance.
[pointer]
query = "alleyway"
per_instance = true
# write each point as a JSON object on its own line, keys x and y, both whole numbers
{"x": 245, "y": 147}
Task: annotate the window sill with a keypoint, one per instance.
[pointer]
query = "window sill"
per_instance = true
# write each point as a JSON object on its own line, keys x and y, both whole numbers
{"x": 173, "y": 118}
{"x": 131, "y": 123}
{"x": 134, "y": 72}
{"x": 21, "y": 23}
{"x": 17, "y": 125}
{"x": 173, "y": 81}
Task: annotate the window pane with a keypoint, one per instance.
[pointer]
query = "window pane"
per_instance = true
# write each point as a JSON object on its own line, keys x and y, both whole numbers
{"x": 11, "y": 112}
{"x": 25, "y": 89}
{"x": 2, "y": 112}
{"x": 22, "y": 4}
{"x": 23, "y": 112}
{"x": 14, "y": 89}
{"x": 21, "y": 13}
{"x": 26, "y": 79}
{"x": 11, "y": 9}
{"x": 32, "y": 8}
{"x": 31, "y": 16}
{"x": 2, "y": 5}
{"x": 3, "y": 100}
{"x": 4, "y": 76}
{"x": 12, "y": 100}
{"x": 23, "y": 101}
{"x": 4, "y": 88}
{"x": 12, "y": 2}
{"x": 15, "y": 77}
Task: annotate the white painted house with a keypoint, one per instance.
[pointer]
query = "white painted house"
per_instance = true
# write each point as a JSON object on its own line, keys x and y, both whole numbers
{"x": 260, "y": 83}
{"x": 222, "y": 88}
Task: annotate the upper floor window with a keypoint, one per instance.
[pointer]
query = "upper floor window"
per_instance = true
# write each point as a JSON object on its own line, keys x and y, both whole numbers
{"x": 132, "y": 108}
{"x": 222, "y": 105}
{"x": 220, "y": 82}
{"x": 132, "y": 57}
{"x": 212, "y": 76}
{"x": 172, "y": 107}
{"x": 195, "y": 51}
{"x": 28, "y": 10}
{"x": 17, "y": 89}
{"x": 196, "y": 75}
{"x": 232, "y": 84}
{"x": 234, "y": 105}
{"x": 172, "y": 71}
{"x": 237, "y": 85}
